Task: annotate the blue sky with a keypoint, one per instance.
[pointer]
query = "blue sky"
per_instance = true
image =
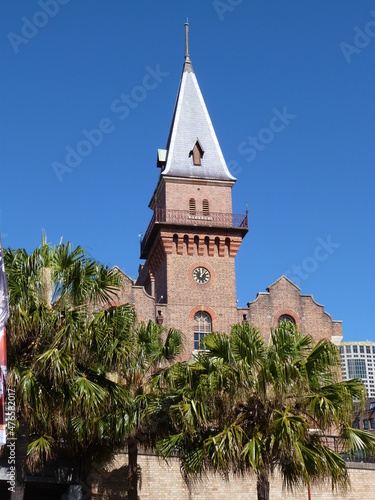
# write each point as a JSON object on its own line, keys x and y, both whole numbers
{"x": 308, "y": 178}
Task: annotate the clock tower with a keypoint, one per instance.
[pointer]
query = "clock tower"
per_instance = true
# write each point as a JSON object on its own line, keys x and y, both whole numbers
{"x": 193, "y": 237}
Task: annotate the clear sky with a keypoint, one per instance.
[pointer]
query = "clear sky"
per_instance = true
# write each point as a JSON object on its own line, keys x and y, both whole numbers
{"x": 290, "y": 90}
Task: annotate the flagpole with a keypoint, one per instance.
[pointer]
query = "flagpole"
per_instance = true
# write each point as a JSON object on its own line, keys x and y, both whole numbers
{"x": 4, "y": 314}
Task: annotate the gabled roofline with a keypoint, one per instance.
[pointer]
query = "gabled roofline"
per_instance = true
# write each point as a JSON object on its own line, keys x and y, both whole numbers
{"x": 197, "y": 141}
{"x": 132, "y": 282}
{"x": 305, "y": 295}
{"x": 119, "y": 270}
{"x": 309, "y": 295}
{"x": 283, "y": 276}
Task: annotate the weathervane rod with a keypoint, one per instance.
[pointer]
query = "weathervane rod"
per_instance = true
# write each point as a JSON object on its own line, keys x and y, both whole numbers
{"x": 187, "y": 57}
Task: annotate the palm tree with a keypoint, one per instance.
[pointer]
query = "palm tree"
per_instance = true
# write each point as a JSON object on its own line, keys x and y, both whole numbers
{"x": 247, "y": 405}
{"x": 154, "y": 349}
{"x": 58, "y": 374}
{"x": 84, "y": 371}
{"x": 137, "y": 361}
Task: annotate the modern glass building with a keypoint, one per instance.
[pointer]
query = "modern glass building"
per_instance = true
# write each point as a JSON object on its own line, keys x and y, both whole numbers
{"x": 358, "y": 361}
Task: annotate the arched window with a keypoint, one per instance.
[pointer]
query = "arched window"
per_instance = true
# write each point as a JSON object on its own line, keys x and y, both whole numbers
{"x": 205, "y": 207}
{"x": 202, "y": 326}
{"x": 286, "y": 317}
{"x": 192, "y": 209}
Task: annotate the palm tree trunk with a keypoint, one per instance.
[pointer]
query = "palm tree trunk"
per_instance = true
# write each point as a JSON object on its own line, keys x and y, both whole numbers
{"x": 133, "y": 469}
{"x": 263, "y": 486}
{"x": 20, "y": 457}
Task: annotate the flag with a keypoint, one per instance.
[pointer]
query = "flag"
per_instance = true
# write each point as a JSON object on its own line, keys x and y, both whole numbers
{"x": 4, "y": 314}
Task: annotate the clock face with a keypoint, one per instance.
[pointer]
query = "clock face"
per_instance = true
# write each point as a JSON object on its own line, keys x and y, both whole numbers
{"x": 201, "y": 275}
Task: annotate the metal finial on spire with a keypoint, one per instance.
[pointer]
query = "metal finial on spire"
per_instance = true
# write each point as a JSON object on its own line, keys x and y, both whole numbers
{"x": 187, "y": 57}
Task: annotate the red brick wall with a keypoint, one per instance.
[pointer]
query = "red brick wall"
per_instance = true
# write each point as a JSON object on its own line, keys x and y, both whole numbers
{"x": 176, "y": 251}
{"x": 179, "y": 193}
{"x": 283, "y": 297}
{"x": 218, "y": 297}
{"x": 161, "y": 291}
{"x": 186, "y": 297}
{"x": 136, "y": 295}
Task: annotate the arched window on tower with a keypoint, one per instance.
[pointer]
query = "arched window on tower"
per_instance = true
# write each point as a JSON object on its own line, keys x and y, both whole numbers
{"x": 205, "y": 207}
{"x": 192, "y": 206}
{"x": 202, "y": 326}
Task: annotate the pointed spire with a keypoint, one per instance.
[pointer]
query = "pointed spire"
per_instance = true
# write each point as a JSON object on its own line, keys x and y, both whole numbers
{"x": 187, "y": 66}
{"x": 191, "y": 125}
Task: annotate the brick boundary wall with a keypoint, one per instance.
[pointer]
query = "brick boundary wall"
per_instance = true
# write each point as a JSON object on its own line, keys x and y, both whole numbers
{"x": 161, "y": 481}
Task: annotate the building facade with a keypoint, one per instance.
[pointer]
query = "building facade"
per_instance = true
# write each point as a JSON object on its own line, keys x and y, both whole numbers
{"x": 188, "y": 278}
{"x": 358, "y": 361}
{"x": 283, "y": 301}
{"x": 365, "y": 418}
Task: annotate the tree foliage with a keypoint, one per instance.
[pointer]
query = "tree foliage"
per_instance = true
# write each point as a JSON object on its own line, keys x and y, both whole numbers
{"x": 81, "y": 368}
{"x": 247, "y": 405}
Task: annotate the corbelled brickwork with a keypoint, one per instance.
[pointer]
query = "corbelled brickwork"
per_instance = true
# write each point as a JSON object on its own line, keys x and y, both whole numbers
{"x": 174, "y": 284}
{"x": 192, "y": 227}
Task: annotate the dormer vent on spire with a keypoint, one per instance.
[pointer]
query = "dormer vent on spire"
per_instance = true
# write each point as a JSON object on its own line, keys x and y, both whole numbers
{"x": 197, "y": 153}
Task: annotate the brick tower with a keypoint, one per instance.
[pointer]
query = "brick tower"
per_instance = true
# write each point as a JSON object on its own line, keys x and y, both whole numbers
{"x": 193, "y": 237}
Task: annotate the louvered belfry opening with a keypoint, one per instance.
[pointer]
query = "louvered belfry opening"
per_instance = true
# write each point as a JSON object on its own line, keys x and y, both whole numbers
{"x": 205, "y": 207}
{"x": 192, "y": 206}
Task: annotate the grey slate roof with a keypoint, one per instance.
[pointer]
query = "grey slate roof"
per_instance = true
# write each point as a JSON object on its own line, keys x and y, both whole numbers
{"x": 191, "y": 122}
